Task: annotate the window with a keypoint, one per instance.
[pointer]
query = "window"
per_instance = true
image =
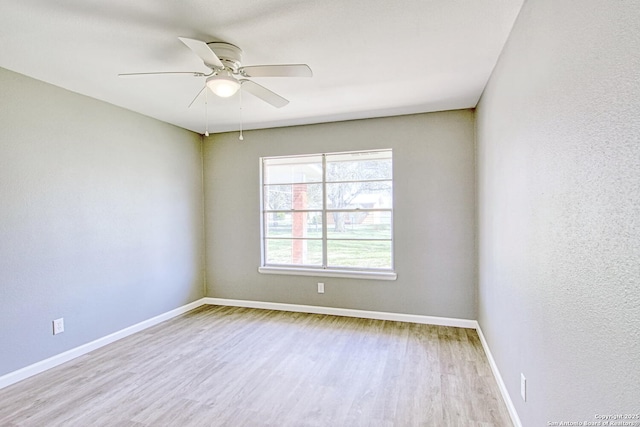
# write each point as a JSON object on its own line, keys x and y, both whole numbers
{"x": 328, "y": 214}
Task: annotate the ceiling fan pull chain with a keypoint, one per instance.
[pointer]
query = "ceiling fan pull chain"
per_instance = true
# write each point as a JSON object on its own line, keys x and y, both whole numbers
{"x": 241, "y": 138}
{"x": 206, "y": 114}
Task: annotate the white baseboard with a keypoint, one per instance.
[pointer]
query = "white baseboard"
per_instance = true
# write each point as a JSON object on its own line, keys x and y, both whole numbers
{"x": 378, "y": 315}
{"x": 496, "y": 373}
{"x": 58, "y": 359}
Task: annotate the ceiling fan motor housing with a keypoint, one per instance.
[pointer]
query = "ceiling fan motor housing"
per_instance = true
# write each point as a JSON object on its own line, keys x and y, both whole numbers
{"x": 230, "y": 55}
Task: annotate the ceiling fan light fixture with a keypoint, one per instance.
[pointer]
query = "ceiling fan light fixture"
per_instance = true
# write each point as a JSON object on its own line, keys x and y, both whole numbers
{"x": 224, "y": 84}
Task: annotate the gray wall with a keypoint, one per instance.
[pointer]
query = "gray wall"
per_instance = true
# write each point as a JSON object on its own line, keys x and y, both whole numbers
{"x": 100, "y": 219}
{"x": 558, "y": 131}
{"x": 434, "y": 214}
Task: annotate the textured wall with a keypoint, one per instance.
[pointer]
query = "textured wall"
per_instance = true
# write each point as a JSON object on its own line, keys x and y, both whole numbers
{"x": 558, "y": 132}
{"x": 100, "y": 219}
{"x": 434, "y": 214}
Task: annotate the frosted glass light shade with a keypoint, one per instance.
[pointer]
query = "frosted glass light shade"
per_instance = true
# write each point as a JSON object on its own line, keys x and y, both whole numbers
{"x": 223, "y": 85}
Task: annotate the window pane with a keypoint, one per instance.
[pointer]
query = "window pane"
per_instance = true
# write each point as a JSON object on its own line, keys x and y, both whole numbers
{"x": 362, "y": 254}
{"x": 294, "y": 196}
{"x": 359, "y": 225}
{"x": 359, "y": 166}
{"x": 363, "y": 195}
{"x": 293, "y": 252}
{"x": 293, "y": 224}
{"x": 292, "y": 169}
{"x": 277, "y": 197}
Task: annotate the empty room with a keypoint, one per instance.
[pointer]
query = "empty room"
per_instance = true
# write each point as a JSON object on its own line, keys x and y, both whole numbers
{"x": 301, "y": 213}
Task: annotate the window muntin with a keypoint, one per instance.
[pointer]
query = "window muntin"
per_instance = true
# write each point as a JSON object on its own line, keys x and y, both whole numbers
{"x": 328, "y": 211}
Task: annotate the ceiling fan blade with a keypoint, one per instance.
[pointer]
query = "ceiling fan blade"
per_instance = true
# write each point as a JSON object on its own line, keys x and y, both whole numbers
{"x": 263, "y": 93}
{"x": 285, "y": 70}
{"x": 205, "y": 53}
{"x": 193, "y": 73}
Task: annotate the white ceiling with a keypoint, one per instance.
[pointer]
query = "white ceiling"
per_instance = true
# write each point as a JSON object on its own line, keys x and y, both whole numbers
{"x": 370, "y": 58}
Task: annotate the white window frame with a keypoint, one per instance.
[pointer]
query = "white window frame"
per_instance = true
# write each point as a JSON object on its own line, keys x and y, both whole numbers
{"x": 324, "y": 271}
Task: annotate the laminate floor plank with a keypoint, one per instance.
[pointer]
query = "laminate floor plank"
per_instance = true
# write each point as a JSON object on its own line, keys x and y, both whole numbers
{"x": 230, "y": 366}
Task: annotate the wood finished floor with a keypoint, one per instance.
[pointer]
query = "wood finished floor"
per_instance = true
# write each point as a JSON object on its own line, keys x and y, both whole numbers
{"x": 228, "y": 366}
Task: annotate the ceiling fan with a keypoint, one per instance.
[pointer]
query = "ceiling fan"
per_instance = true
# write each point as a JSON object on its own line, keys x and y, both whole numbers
{"x": 227, "y": 74}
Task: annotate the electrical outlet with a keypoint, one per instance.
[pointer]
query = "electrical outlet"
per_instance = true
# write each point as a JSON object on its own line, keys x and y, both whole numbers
{"x": 58, "y": 326}
{"x": 320, "y": 288}
{"x": 523, "y": 387}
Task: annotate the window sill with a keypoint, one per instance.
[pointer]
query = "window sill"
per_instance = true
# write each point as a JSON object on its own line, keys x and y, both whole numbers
{"x": 370, "y": 275}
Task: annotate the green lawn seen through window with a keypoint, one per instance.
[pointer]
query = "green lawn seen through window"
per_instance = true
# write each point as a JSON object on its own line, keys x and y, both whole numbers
{"x": 345, "y": 249}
